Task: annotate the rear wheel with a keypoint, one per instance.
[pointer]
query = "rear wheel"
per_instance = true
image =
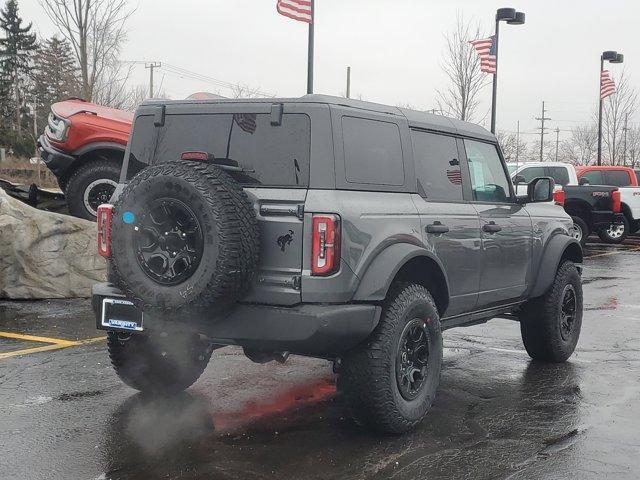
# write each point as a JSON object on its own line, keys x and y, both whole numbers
{"x": 580, "y": 230}
{"x": 90, "y": 186}
{"x": 551, "y": 324}
{"x": 390, "y": 382}
{"x": 616, "y": 232}
{"x": 158, "y": 364}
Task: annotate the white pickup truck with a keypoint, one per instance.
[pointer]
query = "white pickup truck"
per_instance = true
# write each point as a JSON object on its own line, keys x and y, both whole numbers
{"x": 566, "y": 174}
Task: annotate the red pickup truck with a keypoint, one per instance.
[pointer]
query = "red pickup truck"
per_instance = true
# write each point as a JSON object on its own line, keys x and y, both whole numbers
{"x": 83, "y": 145}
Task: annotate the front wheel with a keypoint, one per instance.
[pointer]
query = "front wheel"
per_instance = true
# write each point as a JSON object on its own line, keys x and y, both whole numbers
{"x": 616, "y": 232}
{"x": 390, "y": 382}
{"x": 155, "y": 364}
{"x": 551, "y": 324}
{"x": 90, "y": 186}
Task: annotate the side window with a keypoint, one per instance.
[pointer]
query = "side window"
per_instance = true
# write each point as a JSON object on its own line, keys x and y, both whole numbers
{"x": 594, "y": 177}
{"x": 489, "y": 181}
{"x": 372, "y": 152}
{"x": 437, "y": 166}
{"x": 530, "y": 173}
{"x": 560, "y": 175}
{"x": 619, "y": 178}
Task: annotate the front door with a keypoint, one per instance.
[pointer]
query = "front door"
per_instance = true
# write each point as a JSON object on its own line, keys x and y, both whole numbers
{"x": 450, "y": 226}
{"x": 505, "y": 226}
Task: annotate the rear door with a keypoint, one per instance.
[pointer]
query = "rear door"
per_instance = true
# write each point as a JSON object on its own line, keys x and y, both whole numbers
{"x": 505, "y": 227}
{"x": 271, "y": 158}
{"x": 450, "y": 226}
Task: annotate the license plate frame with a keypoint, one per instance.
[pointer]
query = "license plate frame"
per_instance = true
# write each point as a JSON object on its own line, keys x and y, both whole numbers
{"x": 121, "y": 314}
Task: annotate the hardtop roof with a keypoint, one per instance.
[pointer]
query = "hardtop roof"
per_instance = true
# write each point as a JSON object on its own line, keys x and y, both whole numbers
{"x": 415, "y": 118}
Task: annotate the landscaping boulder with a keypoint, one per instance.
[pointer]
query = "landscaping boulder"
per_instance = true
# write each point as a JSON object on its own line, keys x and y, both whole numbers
{"x": 46, "y": 255}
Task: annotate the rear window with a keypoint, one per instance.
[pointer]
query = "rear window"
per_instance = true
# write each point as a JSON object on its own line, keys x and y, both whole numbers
{"x": 560, "y": 175}
{"x": 594, "y": 178}
{"x": 372, "y": 152}
{"x": 268, "y": 155}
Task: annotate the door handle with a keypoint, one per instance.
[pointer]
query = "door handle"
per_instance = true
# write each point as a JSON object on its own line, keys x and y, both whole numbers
{"x": 491, "y": 227}
{"x": 436, "y": 228}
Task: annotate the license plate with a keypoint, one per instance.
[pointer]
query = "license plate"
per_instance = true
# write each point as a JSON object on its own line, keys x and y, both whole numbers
{"x": 121, "y": 314}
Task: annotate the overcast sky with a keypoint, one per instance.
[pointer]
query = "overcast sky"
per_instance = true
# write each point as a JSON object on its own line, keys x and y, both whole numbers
{"x": 394, "y": 48}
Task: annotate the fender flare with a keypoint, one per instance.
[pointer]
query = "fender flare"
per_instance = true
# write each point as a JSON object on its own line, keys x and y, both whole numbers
{"x": 558, "y": 247}
{"x": 377, "y": 278}
{"x": 91, "y": 147}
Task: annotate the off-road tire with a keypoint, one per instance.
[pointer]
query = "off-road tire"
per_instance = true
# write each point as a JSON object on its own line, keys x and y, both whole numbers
{"x": 540, "y": 319}
{"x": 82, "y": 178}
{"x": 231, "y": 241}
{"x": 584, "y": 230}
{"x": 158, "y": 365}
{"x": 367, "y": 379}
{"x": 605, "y": 236}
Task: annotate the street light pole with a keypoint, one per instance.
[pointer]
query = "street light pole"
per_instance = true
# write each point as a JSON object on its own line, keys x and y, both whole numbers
{"x": 611, "y": 57}
{"x": 600, "y": 112}
{"x": 512, "y": 17}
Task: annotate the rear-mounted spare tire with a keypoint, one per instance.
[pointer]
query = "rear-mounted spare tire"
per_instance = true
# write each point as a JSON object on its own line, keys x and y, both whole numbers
{"x": 184, "y": 234}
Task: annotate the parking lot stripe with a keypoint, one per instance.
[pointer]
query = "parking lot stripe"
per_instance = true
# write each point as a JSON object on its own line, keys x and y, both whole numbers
{"x": 53, "y": 344}
{"x": 28, "y": 351}
{"x": 615, "y": 252}
{"x": 33, "y": 338}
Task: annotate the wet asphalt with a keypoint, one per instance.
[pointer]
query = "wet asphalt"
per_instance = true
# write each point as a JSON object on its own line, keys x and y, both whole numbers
{"x": 65, "y": 415}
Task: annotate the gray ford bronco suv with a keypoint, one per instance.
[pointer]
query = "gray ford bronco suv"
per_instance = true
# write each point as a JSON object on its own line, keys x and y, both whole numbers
{"x": 325, "y": 227}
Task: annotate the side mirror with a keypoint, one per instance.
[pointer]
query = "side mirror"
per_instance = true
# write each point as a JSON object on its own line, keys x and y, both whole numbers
{"x": 541, "y": 190}
{"x": 519, "y": 179}
{"x": 584, "y": 181}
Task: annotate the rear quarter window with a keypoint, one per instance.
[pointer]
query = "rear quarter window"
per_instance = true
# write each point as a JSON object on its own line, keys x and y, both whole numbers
{"x": 372, "y": 152}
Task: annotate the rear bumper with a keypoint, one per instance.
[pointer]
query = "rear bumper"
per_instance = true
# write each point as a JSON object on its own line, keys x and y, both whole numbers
{"x": 601, "y": 219}
{"x": 309, "y": 329}
{"x": 56, "y": 161}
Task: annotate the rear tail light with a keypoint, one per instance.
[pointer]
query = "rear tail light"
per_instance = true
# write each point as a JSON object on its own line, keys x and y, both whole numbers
{"x": 559, "y": 196}
{"x": 197, "y": 156}
{"x": 325, "y": 258}
{"x": 105, "y": 215}
{"x": 617, "y": 203}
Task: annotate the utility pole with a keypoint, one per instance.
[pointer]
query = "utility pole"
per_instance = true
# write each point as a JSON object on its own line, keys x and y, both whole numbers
{"x": 557, "y": 141}
{"x": 624, "y": 151}
{"x": 348, "y": 82}
{"x": 542, "y": 119}
{"x": 151, "y": 66}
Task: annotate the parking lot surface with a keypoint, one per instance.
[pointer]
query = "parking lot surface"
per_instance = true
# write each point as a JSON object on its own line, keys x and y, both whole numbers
{"x": 65, "y": 414}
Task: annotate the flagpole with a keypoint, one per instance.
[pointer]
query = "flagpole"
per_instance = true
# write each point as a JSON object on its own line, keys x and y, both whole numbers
{"x": 310, "y": 52}
{"x": 495, "y": 79}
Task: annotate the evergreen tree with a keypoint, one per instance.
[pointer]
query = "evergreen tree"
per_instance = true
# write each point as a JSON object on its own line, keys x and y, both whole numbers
{"x": 16, "y": 49}
{"x": 55, "y": 75}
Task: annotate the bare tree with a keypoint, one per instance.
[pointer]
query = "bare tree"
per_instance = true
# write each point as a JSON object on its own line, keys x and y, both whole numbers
{"x": 96, "y": 30}
{"x": 511, "y": 146}
{"x": 633, "y": 147}
{"x": 616, "y": 107}
{"x": 462, "y": 66}
{"x": 581, "y": 147}
{"x": 245, "y": 91}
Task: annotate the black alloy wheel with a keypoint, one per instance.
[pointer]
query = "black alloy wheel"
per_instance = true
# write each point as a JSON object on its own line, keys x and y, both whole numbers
{"x": 412, "y": 359}
{"x": 567, "y": 312}
{"x": 168, "y": 241}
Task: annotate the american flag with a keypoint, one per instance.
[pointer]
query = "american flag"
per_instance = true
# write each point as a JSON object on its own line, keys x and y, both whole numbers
{"x": 607, "y": 87}
{"x": 486, "y": 48}
{"x": 455, "y": 176}
{"x": 297, "y": 9}
{"x": 246, "y": 121}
